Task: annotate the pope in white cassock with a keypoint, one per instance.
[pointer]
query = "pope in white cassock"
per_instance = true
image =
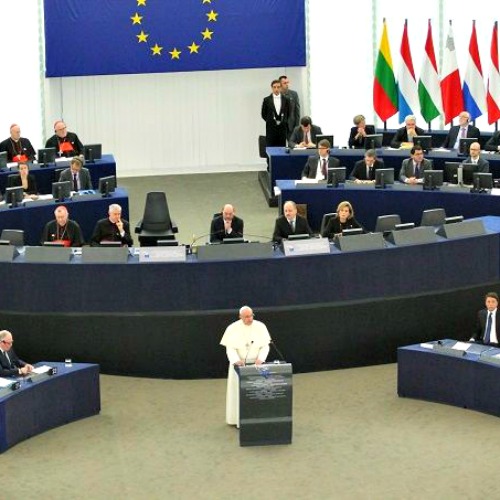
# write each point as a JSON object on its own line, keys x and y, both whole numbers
{"x": 246, "y": 341}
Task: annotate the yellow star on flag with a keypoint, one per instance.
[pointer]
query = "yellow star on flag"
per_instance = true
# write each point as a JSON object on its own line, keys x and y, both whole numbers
{"x": 143, "y": 37}
{"x": 136, "y": 19}
{"x": 193, "y": 48}
{"x": 175, "y": 53}
{"x": 206, "y": 1}
{"x": 156, "y": 50}
{"x": 212, "y": 16}
{"x": 141, "y": 2}
{"x": 207, "y": 34}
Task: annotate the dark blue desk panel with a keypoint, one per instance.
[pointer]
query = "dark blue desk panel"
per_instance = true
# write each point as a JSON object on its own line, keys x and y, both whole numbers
{"x": 465, "y": 382}
{"x": 86, "y": 212}
{"x": 368, "y": 202}
{"x": 46, "y": 176}
{"x": 438, "y": 136}
{"x": 73, "y": 393}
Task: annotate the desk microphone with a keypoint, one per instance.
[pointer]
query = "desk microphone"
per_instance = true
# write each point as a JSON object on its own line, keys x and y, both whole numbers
{"x": 277, "y": 350}
{"x": 248, "y": 350}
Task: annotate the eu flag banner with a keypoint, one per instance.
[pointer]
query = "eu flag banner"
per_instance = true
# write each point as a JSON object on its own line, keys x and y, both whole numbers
{"x": 105, "y": 37}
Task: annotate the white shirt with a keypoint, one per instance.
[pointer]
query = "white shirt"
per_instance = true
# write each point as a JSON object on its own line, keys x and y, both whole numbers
{"x": 493, "y": 332}
{"x": 319, "y": 170}
{"x": 277, "y": 103}
{"x": 459, "y": 136}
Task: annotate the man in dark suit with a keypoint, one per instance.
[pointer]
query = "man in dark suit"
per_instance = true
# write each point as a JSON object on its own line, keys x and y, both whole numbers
{"x": 114, "y": 228}
{"x": 493, "y": 143}
{"x": 304, "y": 135}
{"x": 364, "y": 170}
{"x": 290, "y": 223}
{"x": 293, "y": 99}
{"x": 460, "y": 131}
{"x": 18, "y": 148}
{"x": 359, "y": 132}
{"x": 405, "y": 135}
{"x": 488, "y": 325}
{"x": 412, "y": 169}
{"x": 475, "y": 157}
{"x": 77, "y": 174}
{"x": 275, "y": 111}
{"x": 10, "y": 364}
{"x": 317, "y": 166}
{"x": 226, "y": 225}
{"x": 65, "y": 143}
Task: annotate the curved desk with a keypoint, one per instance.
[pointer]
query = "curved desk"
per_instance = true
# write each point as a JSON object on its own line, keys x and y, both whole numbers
{"x": 85, "y": 209}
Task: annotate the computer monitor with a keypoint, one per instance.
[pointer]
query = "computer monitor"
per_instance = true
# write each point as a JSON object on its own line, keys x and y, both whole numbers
{"x": 46, "y": 156}
{"x": 14, "y": 195}
{"x": 3, "y": 160}
{"x": 468, "y": 170}
{"x": 404, "y": 225}
{"x": 230, "y": 241}
{"x": 450, "y": 171}
{"x": 110, "y": 244}
{"x": 384, "y": 176}
{"x": 482, "y": 180}
{"x": 61, "y": 190}
{"x": 167, "y": 243}
{"x": 373, "y": 141}
{"x": 433, "y": 179}
{"x": 433, "y": 217}
{"x": 454, "y": 219}
{"x": 92, "y": 152}
{"x": 303, "y": 236}
{"x": 459, "y": 173}
{"x": 53, "y": 244}
{"x": 107, "y": 185}
{"x": 329, "y": 138}
{"x": 424, "y": 141}
{"x": 464, "y": 145}
{"x": 336, "y": 175}
{"x": 353, "y": 231}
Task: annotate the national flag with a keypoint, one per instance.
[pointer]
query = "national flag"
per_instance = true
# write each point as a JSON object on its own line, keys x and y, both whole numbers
{"x": 429, "y": 90}
{"x": 407, "y": 83}
{"x": 493, "y": 93}
{"x": 385, "y": 95}
{"x": 451, "y": 87}
{"x": 474, "y": 93}
{"x": 103, "y": 37}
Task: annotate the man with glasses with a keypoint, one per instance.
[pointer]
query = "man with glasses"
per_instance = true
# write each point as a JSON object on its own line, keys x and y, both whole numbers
{"x": 317, "y": 166}
{"x": 65, "y": 143}
{"x": 10, "y": 364}
{"x": 460, "y": 131}
{"x": 474, "y": 157}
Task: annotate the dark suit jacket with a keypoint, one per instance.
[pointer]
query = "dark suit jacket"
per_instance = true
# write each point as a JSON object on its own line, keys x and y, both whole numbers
{"x": 482, "y": 317}
{"x": 218, "y": 233}
{"x": 282, "y": 228}
{"x": 493, "y": 142}
{"x": 12, "y": 369}
{"x": 15, "y": 180}
{"x": 72, "y": 138}
{"x": 408, "y": 171}
{"x": 85, "y": 180}
{"x": 294, "y": 110}
{"x": 276, "y": 124}
{"x": 71, "y": 233}
{"x": 359, "y": 170}
{"x": 298, "y": 135}
{"x": 105, "y": 230}
{"x": 311, "y": 168}
{"x": 451, "y": 138}
{"x": 26, "y": 148}
{"x": 334, "y": 226}
{"x": 482, "y": 164}
{"x": 401, "y": 135}
{"x": 359, "y": 143}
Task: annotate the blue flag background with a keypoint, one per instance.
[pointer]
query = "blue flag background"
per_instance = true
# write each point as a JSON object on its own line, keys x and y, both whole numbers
{"x": 103, "y": 37}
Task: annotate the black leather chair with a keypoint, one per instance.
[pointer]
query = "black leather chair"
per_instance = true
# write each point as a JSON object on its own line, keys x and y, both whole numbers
{"x": 387, "y": 223}
{"x": 156, "y": 223}
{"x": 325, "y": 220}
{"x": 433, "y": 217}
{"x": 13, "y": 236}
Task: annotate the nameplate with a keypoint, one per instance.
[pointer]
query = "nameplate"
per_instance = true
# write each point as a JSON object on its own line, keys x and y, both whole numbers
{"x": 448, "y": 351}
{"x": 492, "y": 359}
{"x": 360, "y": 242}
{"x": 48, "y": 254}
{"x": 39, "y": 203}
{"x": 464, "y": 229}
{"x": 103, "y": 255}
{"x": 304, "y": 151}
{"x": 8, "y": 253}
{"x": 86, "y": 197}
{"x": 310, "y": 185}
{"x": 237, "y": 251}
{"x": 416, "y": 236}
{"x": 162, "y": 254}
{"x": 312, "y": 246}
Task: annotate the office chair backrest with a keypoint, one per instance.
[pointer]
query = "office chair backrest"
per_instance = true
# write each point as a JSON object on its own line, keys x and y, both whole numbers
{"x": 156, "y": 214}
{"x": 262, "y": 146}
{"x": 325, "y": 220}
{"x": 387, "y": 223}
{"x": 14, "y": 236}
{"x": 433, "y": 217}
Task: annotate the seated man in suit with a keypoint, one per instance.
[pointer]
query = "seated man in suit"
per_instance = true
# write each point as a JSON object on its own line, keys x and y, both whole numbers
{"x": 493, "y": 143}
{"x": 114, "y": 228}
{"x": 404, "y": 135}
{"x": 488, "y": 327}
{"x": 475, "y": 157}
{"x": 359, "y": 132}
{"x": 62, "y": 229}
{"x": 460, "y": 131}
{"x": 226, "y": 225}
{"x": 290, "y": 223}
{"x": 412, "y": 169}
{"x": 304, "y": 135}
{"x": 317, "y": 166}
{"x": 65, "y": 143}
{"x": 18, "y": 148}
{"x": 77, "y": 174}
{"x": 364, "y": 170}
{"x": 10, "y": 364}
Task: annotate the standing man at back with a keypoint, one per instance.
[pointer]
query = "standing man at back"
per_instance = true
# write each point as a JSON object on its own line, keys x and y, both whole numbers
{"x": 293, "y": 98}
{"x": 275, "y": 111}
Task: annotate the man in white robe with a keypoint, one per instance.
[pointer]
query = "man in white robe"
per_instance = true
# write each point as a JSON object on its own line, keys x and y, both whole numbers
{"x": 247, "y": 342}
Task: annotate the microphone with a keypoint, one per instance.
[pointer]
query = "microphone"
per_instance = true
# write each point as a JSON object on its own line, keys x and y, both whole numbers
{"x": 278, "y": 351}
{"x": 248, "y": 350}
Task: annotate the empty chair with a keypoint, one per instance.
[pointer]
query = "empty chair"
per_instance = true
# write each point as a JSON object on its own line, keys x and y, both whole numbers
{"x": 325, "y": 220}
{"x": 262, "y": 146}
{"x": 433, "y": 217}
{"x": 156, "y": 223}
{"x": 386, "y": 223}
{"x": 13, "y": 236}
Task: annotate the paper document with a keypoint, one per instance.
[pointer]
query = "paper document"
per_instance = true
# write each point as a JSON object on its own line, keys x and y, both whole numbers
{"x": 427, "y": 345}
{"x": 5, "y": 382}
{"x": 41, "y": 369}
{"x": 461, "y": 346}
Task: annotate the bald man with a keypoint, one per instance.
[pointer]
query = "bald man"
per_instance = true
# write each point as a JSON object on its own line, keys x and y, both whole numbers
{"x": 19, "y": 149}
{"x": 65, "y": 143}
{"x": 63, "y": 230}
{"x": 226, "y": 225}
{"x": 10, "y": 364}
{"x": 290, "y": 223}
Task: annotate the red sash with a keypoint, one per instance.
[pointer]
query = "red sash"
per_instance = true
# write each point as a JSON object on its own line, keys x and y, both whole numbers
{"x": 66, "y": 243}
{"x": 65, "y": 147}
{"x": 20, "y": 158}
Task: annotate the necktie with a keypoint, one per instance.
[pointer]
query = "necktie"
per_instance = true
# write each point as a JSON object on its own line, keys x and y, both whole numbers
{"x": 368, "y": 172}
{"x": 306, "y": 137}
{"x": 463, "y": 133}
{"x": 292, "y": 225}
{"x": 417, "y": 170}
{"x": 487, "y": 332}
{"x": 75, "y": 183}
{"x": 323, "y": 167}
{"x": 7, "y": 358}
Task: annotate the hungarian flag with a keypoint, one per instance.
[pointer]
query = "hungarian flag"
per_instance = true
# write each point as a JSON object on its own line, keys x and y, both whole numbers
{"x": 451, "y": 88}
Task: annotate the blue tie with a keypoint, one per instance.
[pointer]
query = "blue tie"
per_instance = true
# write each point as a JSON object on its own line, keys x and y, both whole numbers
{"x": 487, "y": 332}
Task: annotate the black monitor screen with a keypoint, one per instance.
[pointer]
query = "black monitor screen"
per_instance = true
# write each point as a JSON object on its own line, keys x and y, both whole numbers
{"x": 482, "y": 180}
{"x": 14, "y": 195}
{"x": 464, "y": 144}
{"x": 433, "y": 178}
{"x": 424, "y": 141}
{"x": 329, "y": 138}
{"x": 107, "y": 184}
{"x": 353, "y": 231}
{"x": 373, "y": 141}
{"x": 384, "y": 176}
{"x": 46, "y": 156}
{"x": 3, "y": 159}
{"x": 92, "y": 152}
{"x": 450, "y": 171}
{"x": 468, "y": 170}
{"x": 230, "y": 241}
{"x": 303, "y": 236}
{"x": 61, "y": 190}
{"x": 336, "y": 175}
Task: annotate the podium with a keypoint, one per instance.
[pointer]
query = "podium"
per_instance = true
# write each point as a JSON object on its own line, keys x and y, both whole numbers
{"x": 265, "y": 404}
